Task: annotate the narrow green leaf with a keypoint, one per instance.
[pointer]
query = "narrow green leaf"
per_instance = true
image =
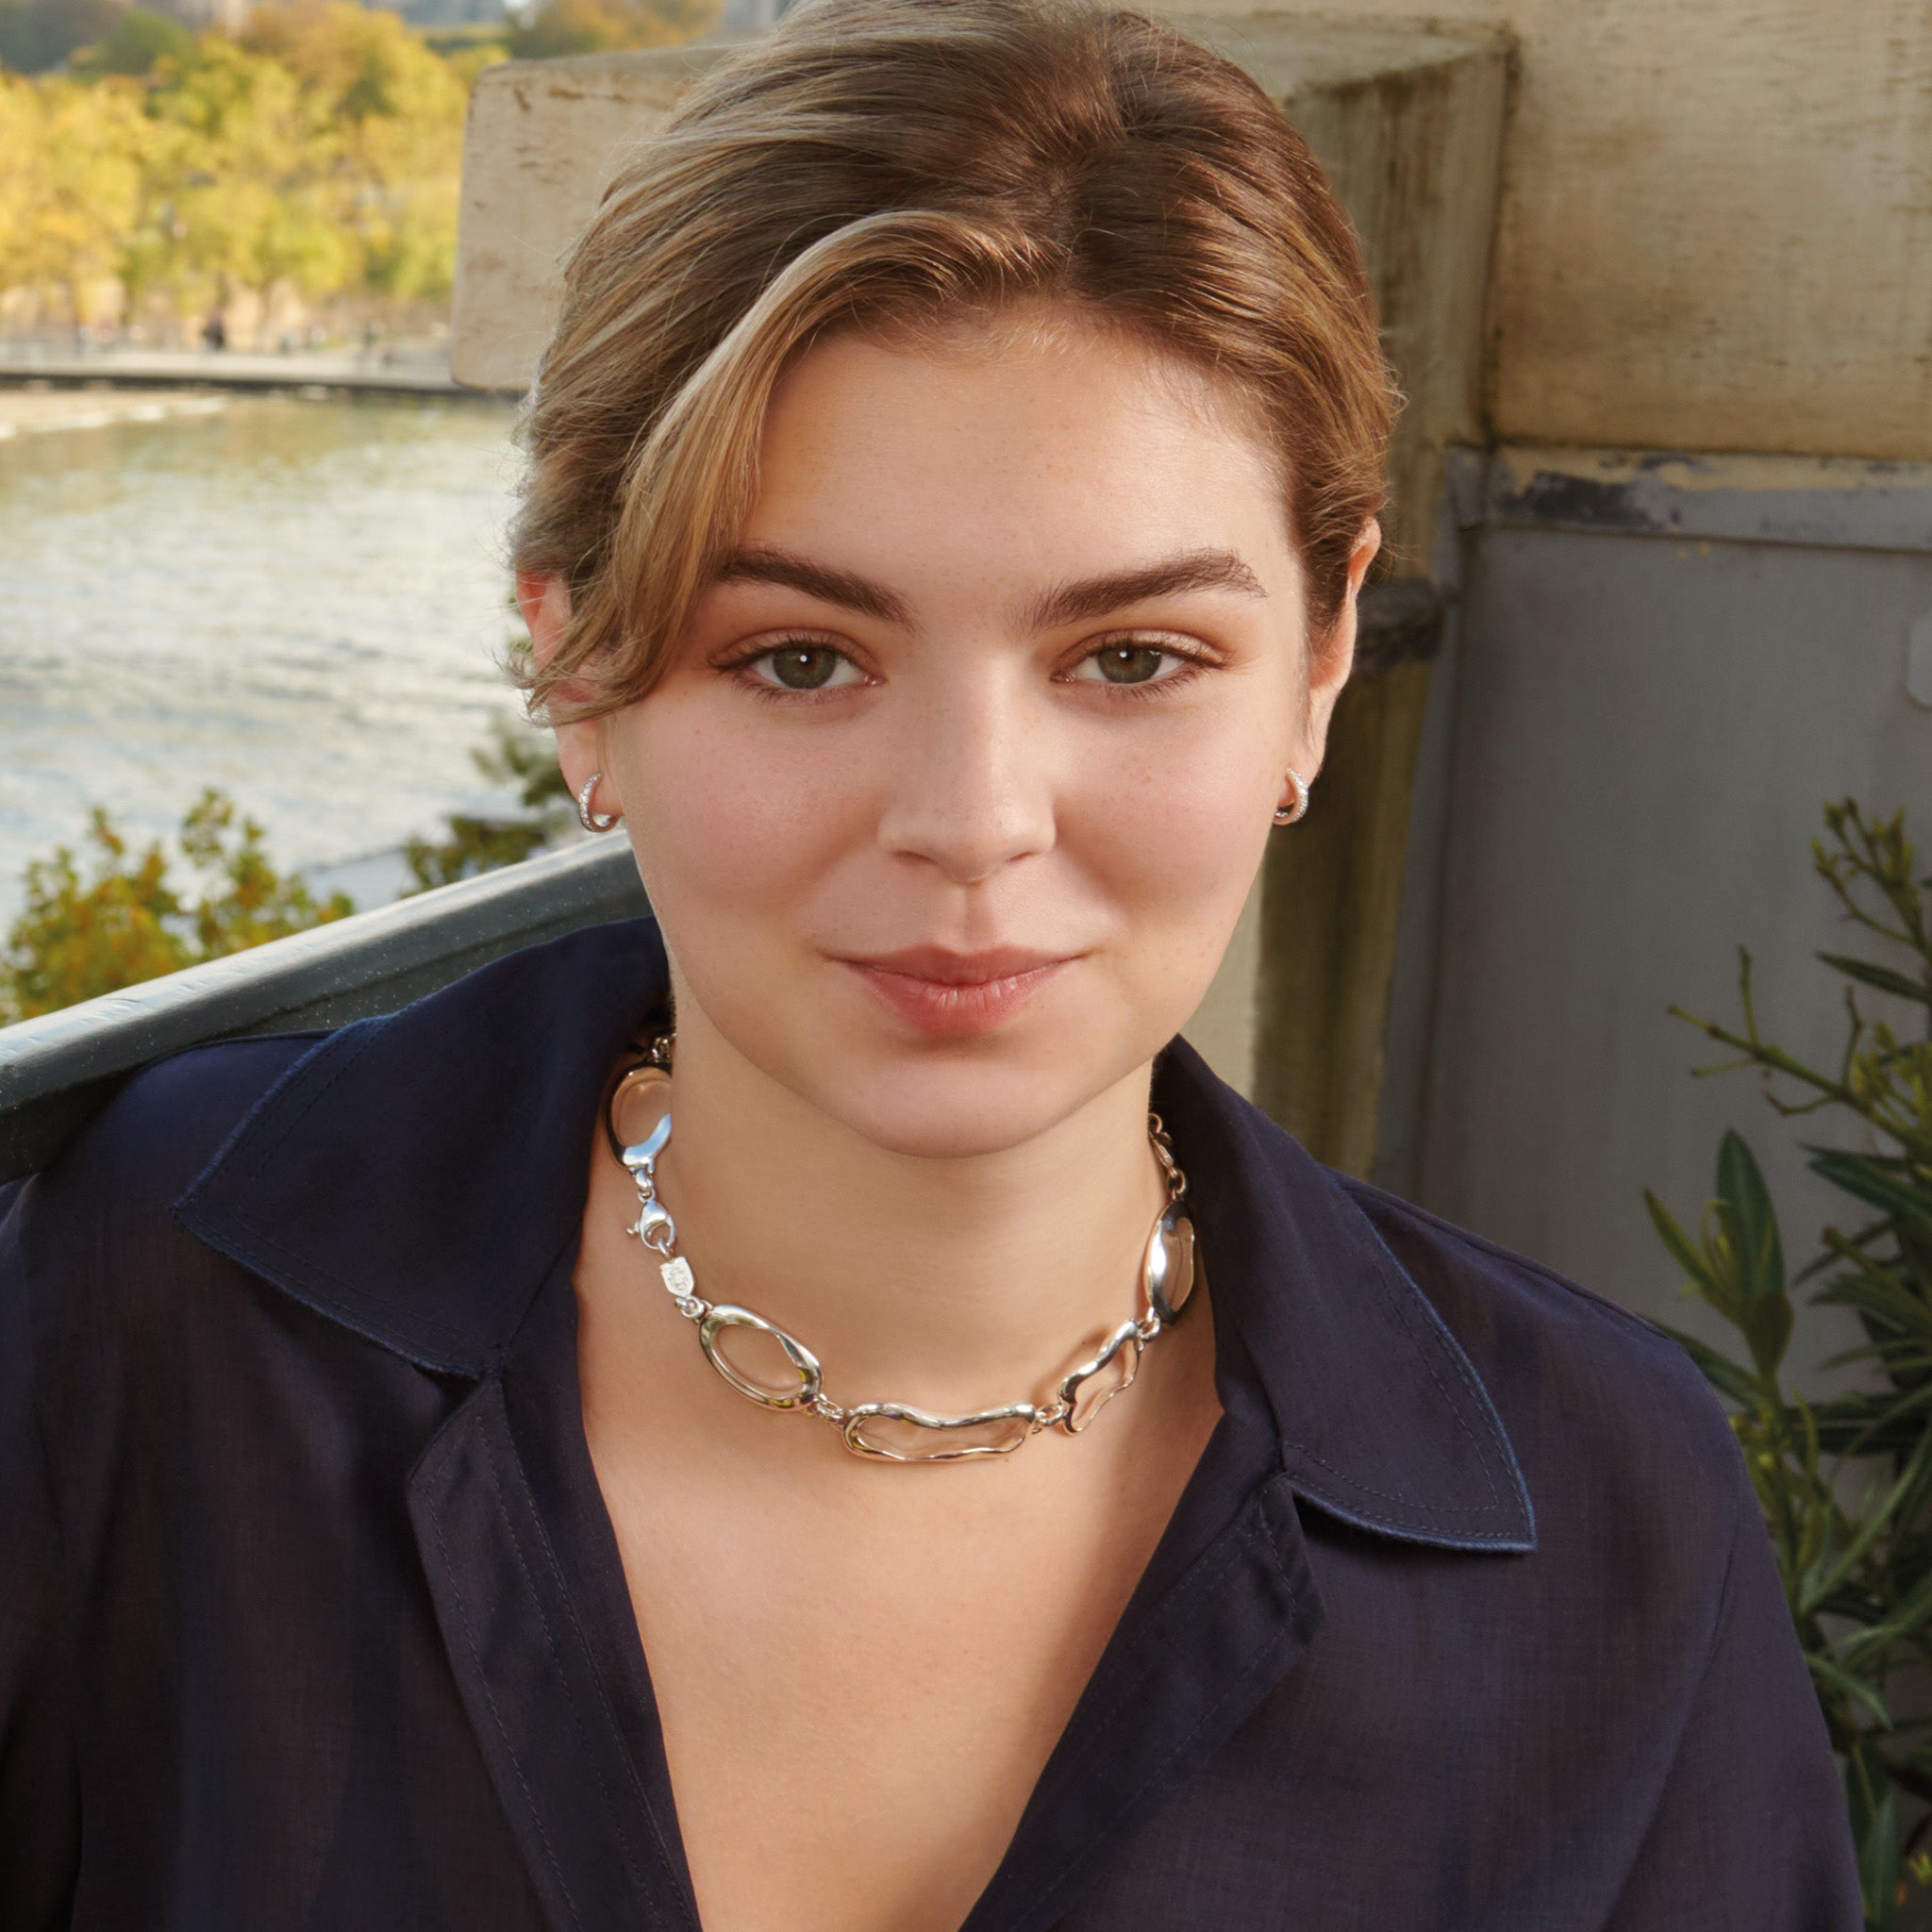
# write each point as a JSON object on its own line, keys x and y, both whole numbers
{"x": 1880, "y": 976}
{"x": 1767, "y": 1327}
{"x": 1819, "y": 1589}
{"x": 1753, "y": 1223}
{"x": 1875, "y": 1182}
{"x": 1878, "y": 1860}
{"x": 1835, "y": 1677}
{"x": 1683, "y": 1250}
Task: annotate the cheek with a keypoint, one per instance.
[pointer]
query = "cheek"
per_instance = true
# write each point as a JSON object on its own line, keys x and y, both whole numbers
{"x": 1175, "y": 833}
{"x": 729, "y": 825}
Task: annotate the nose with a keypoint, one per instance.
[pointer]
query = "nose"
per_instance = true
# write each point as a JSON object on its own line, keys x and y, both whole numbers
{"x": 971, "y": 788}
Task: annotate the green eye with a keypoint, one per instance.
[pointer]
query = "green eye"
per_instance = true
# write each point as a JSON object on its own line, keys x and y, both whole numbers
{"x": 804, "y": 667}
{"x": 1128, "y": 663}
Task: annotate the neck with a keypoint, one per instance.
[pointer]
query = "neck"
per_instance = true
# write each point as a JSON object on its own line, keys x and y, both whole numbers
{"x": 949, "y": 1283}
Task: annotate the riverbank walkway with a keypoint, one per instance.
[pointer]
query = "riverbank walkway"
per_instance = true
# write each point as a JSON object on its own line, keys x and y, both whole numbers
{"x": 405, "y": 370}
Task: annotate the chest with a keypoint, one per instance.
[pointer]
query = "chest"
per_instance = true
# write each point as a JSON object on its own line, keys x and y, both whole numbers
{"x": 857, "y": 1698}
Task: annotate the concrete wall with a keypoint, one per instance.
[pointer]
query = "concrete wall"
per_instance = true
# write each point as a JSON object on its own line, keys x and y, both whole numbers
{"x": 1716, "y": 228}
{"x": 1663, "y": 670}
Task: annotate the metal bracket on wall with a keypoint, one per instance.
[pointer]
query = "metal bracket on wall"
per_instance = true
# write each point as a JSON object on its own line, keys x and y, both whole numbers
{"x": 1399, "y": 622}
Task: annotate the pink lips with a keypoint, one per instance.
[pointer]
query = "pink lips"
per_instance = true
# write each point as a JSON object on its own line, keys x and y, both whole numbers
{"x": 958, "y": 994}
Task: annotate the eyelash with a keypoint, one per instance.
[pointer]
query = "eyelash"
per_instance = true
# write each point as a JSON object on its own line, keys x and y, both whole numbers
{"x": 739, "y": 670}
{"x": 1190, "y": 666}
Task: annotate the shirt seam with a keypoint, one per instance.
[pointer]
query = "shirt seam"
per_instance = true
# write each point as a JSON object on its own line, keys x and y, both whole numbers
{"x": 550, "y": 1641}
{"x": 450, "y": 1570}
{"x": 1491, "y": 1443}
{"x": 577, "y": 1627}
{"x": 1246, "y": 1536}
{"x": 1054, "y": 1885}
{"x": 1361, "y": 1192}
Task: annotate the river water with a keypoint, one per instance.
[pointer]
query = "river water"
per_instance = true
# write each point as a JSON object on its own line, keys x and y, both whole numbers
{"x": 299, "y": 601}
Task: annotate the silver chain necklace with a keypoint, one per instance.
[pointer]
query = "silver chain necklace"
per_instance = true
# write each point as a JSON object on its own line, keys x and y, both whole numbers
{"x": 895, "y": 1431}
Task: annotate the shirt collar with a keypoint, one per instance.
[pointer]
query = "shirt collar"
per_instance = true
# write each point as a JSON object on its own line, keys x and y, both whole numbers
{"x": 416, "y": 1178}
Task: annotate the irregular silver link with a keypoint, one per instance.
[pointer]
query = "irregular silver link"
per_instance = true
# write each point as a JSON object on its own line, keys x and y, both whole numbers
{"x": 657, "y": 1231}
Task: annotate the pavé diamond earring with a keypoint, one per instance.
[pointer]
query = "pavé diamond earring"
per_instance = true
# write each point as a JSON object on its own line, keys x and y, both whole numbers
{"x": 1288, "y": 814}
{"x": 603, "y": 821}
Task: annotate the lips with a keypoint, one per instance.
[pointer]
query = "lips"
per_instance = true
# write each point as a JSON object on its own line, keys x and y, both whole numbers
{"x": 955, "y": 994}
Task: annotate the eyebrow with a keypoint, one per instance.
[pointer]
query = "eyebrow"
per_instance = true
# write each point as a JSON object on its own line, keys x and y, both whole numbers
{"x": 1192, "y": 570}
{"x": 1087, "y": 597}
{"x": 763, "y": 564}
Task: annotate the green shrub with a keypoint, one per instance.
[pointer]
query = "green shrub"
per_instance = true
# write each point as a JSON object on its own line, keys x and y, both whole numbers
{"x": 131, "y": 921}
{"x": 1845, "y": 1482}
{"x": 518, "y": 755}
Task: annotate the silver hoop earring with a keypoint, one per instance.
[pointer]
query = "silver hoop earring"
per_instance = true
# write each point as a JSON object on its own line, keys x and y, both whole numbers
{"x": 1289, "y": 814}
{"x": 594, "y": 821}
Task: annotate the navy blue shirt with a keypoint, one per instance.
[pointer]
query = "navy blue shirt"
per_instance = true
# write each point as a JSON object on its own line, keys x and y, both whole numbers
{"x": 311, "y": 1615}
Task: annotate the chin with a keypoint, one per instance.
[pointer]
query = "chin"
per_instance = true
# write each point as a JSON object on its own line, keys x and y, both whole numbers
{"x": 956, "y": 1105}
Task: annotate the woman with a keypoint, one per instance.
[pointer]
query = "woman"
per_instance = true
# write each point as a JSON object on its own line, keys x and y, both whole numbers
{"x": 833, "y": 1418}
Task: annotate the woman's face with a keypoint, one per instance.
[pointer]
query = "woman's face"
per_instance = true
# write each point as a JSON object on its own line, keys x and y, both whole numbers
{"x": 961, "y": 771}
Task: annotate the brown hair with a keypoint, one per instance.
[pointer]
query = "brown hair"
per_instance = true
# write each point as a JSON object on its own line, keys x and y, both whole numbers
{"x": 878, "y": 162}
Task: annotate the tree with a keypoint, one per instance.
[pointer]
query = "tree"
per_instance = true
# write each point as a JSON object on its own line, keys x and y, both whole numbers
{"x": 129, "y": 920}
{"x": 516, "y": 756}
{"x": 597, "y": 26}
{"x": 321, "y": 150}
{"x": 139, "y": 42}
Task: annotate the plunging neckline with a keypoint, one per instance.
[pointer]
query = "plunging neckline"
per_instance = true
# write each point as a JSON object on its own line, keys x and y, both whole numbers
{"x": 1167, "y": 1687}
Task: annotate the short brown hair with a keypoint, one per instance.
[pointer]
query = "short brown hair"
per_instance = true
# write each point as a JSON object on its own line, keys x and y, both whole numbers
{"x": 876, "y": 162}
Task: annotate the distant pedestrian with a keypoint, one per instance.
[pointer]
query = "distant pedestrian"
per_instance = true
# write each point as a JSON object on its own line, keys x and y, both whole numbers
{"x": 214, "y": 332}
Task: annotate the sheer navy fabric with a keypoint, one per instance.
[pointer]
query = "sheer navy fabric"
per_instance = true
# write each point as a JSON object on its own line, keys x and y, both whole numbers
{"x": 311, "y": 1615}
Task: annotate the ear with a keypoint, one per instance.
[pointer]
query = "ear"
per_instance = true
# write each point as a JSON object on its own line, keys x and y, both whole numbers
{"x": 544, "y": 601}
{"x": 1332, "y": 658}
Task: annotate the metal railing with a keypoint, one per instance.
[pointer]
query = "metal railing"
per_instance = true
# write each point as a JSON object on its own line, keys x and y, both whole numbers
{"x": 58, "y": 1070}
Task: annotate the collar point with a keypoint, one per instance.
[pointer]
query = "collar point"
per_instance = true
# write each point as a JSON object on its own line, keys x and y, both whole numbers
{"x": 1504, "y": 1529}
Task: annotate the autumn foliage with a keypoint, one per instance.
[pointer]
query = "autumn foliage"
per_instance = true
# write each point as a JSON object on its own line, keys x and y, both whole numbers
{"x": 133, "y": 918}
{"x": 320, "y": 150}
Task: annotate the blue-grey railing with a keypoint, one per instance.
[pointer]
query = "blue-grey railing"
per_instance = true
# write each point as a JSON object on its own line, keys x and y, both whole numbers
{"x": 56, "y": 1071}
